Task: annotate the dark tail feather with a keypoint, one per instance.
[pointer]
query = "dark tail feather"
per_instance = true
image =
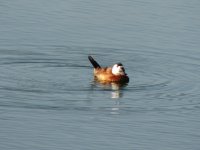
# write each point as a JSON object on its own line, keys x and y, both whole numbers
{"x": 93, "y": 62}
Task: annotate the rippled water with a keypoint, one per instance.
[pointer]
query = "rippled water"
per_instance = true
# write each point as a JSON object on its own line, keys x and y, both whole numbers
{"x": 48, "y": 99}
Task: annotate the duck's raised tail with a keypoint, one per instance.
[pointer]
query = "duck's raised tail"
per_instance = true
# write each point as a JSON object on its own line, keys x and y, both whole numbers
{"x": 93, "y": 62}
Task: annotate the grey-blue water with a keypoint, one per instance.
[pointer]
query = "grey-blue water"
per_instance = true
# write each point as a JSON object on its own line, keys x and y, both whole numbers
{"x": 48, "y": 99}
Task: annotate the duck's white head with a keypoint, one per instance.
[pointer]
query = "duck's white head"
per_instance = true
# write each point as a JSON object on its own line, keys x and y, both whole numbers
{"x": 118, "y": 69}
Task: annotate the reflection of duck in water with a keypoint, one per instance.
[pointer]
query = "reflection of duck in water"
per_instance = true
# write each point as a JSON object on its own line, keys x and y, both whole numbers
{"x": 114, "y": 74}
{"x": 116, "y": 89}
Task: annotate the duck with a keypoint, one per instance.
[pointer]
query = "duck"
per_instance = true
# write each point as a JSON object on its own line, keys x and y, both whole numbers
{"x": 114, "y": 74}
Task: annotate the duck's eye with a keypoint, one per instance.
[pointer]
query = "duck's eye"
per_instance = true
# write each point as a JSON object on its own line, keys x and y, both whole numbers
{"x": 122, "y": 68}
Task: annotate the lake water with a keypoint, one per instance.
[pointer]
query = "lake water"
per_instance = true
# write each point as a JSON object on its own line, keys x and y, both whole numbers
{"x": 48, "y": 99}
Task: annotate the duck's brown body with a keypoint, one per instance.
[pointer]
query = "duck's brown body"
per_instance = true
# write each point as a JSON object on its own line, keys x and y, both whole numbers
{"x": 106, "y": 74}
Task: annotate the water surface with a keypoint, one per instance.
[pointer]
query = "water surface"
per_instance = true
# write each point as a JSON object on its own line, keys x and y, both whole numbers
{"x": 48, "y": 99}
